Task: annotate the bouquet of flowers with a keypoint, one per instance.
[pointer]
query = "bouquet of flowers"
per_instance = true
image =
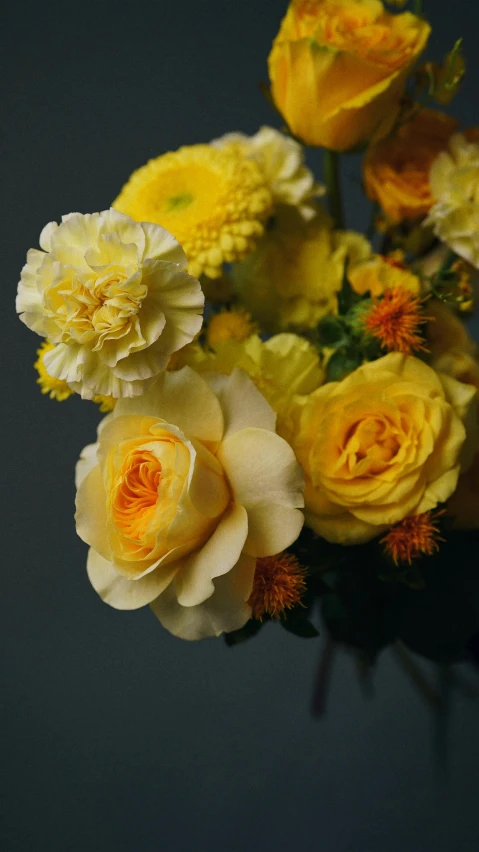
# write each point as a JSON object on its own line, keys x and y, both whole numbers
{"x": 290, "y": 406}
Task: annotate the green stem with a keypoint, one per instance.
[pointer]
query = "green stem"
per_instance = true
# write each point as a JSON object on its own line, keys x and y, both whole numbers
{"x": 418, "y": 7}
{"x": 333, "y": 186}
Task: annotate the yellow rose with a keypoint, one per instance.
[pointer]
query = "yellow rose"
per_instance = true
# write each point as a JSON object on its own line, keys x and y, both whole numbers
{"x": 396, "y": 170}
{"x": 454, "y": 180}
{"x": 338, "y": 69}
{"x": 293, "y": 278}
{"x": 378, "y": 274}
{"x": 386, "y": 442}
{"x": 187, "y": 486}
{"x": 114, "y": 298}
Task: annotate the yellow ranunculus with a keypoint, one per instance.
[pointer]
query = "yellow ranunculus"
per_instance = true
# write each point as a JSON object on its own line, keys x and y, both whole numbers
{"x": 338, "y": 69}
{"x": 377, "y": 274}
{"x": 386, "y": 442}
{"x": 187, "y": 486}
{"x": 293, "y": 278}
{"x": 396, "y": 170}
{"x": 114, "y": 298}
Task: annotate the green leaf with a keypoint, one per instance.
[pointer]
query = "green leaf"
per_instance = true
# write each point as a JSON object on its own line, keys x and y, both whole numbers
{"x": 300, "y": 626}
{"x": 343, "y": 362}
{"x": 332, "y": 332}
{"x": 236, "y": 637}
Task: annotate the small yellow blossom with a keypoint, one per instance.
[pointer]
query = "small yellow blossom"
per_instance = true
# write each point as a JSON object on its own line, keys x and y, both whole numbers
{"x": 105, "y": 403}
{"x": 55, "y": 388}
{"x": 293, "y": 278}
{"x": 213, "y": 200}
{"x": 379, "y": 273}
{"x": 229, "y": 325}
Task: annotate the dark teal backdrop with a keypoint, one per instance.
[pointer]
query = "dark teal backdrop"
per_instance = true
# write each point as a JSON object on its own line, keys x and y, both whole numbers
{"x": 117, "y": 737}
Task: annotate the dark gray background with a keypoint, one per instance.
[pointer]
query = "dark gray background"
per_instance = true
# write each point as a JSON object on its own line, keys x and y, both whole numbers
{"x": 115, "y": 735}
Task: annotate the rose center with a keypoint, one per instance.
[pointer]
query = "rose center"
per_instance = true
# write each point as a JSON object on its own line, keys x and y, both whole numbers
{"x": 136, "y": 493}
{"x": 370, "y": 443}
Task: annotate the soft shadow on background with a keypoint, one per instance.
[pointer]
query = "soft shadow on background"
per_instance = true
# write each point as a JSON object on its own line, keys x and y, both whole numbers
{"x": 117, "y": 737}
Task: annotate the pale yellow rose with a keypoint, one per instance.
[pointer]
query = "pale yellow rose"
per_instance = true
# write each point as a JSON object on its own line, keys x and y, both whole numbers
{"x": 293, "y": 278}
{"x": 338, "y": 69}
{"x": 386, "y": 442}
{"x": 187, "y": 486}
{"x": 454, "y": 181}
{"x": 114, "y": 298}
{"x": 281, "y": 160}
{"x": 377, "y": 274}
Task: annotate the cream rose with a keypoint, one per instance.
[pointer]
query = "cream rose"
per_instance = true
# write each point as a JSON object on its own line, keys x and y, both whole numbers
{"x": 388, "y": 441}
{"x": 115, "y": 299}
{"x": 187, "y": 485}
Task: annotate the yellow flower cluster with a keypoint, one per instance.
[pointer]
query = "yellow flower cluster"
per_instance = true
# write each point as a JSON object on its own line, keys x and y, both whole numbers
{"x": 255, "y": 357}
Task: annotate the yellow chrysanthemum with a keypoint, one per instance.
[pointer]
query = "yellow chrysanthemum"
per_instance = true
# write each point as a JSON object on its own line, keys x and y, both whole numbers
{"x": 230, "y": 325}
{"x": 55, "y": 388}
{"x": 213, "y": 200}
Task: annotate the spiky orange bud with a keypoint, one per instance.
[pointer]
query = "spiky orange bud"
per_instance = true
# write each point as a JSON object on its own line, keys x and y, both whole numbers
{"x": 279, "y": 584}
{"x": 415, "y": 536}
{"x": 395, "y": 320}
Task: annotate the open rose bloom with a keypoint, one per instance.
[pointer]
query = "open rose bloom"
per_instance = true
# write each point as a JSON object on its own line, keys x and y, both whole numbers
{"x": 187, "y": 486}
